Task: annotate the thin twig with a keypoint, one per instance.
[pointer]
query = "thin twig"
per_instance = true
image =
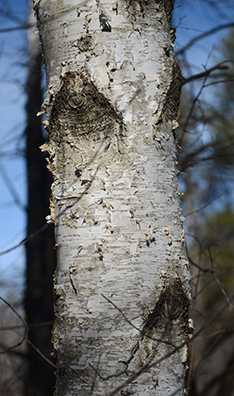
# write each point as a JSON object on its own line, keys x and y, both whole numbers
{"x": 135, "y": 327}
{"x": 202, "y": 36}
{"x": 204, "y": 206}
{"x": 24, "y": 337}
{"x": 206, "y": 73}
{"x": 147, "y": 367}
{"x": 41, "y": 354}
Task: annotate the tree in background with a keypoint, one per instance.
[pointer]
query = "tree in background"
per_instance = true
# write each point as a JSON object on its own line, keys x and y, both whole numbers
{"x": 206, "y": 161}
{"x": 40, "y": 253}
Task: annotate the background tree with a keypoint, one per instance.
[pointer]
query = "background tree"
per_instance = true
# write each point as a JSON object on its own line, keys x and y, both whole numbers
{"x": 13, "y": 60}
{"x": 206, "y": 164}
{"x": 34, "y": 375}
{"x": 40, "y": 253}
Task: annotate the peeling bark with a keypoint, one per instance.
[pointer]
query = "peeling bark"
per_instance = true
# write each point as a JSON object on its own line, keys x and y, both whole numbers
{"x": 113, "y": 90}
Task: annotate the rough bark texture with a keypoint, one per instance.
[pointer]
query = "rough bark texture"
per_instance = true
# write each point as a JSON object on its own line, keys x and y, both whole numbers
{"x": 112, "y": 102}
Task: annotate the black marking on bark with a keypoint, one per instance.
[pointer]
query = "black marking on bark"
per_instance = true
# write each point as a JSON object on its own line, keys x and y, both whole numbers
{"x": 149, "y": 241}
{"x": 169, "y": 4}
{"x": 137, "y": 8}
{"x": 85, "y": 43}
{"x": 171, "y": 103}
{"x": 73, "y": 285}
{"x": 171, "y": 106}
{"x": 168, "y": 109}
{"x": 85, "y": 181}
{"x": 78, "y": 172}
{"x": 106, "y": 27}
{"x": 140, "y": 7}
{"x": 134, "y": 6}
{"x": 171, "y": 305}
{"x": 104, "y": 20}
{"x": 79, "y": 109}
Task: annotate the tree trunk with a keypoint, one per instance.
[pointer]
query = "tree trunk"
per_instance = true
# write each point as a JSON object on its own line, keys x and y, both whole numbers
{"x": 122, "y": 280}
{"x": 41, "y": 258}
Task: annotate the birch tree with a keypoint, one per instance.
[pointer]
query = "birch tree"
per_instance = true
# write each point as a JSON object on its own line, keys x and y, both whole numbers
{"x": 122, "y": 280}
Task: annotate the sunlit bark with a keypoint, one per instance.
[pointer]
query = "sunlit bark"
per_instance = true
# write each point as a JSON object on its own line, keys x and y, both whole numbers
{"x": 113, "y": 90}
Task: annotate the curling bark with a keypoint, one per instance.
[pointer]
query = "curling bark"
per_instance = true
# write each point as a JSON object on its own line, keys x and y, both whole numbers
{"x": 113, "y": 91}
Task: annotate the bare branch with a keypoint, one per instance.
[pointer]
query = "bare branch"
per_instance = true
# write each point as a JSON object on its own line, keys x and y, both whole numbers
{"x": 148, "y": 366}
{"x": 204, "y": 206}
{"x": 206, "y": 73}
{"x": 143, "y": 333}
{"x": 13, "y": 29}
{"x": 202, "y": 36}
{"x": 41, "y": 354}
{"x": 24, "y": 337}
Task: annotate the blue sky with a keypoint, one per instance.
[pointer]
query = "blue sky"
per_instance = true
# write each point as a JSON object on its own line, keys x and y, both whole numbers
{"x": 13, "y": 57}
{"x": 193, "y": 18}
{"x": 190, "y": 19}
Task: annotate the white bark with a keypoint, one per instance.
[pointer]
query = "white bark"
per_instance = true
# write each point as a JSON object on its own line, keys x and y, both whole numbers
{"x": 112, "y": 99}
